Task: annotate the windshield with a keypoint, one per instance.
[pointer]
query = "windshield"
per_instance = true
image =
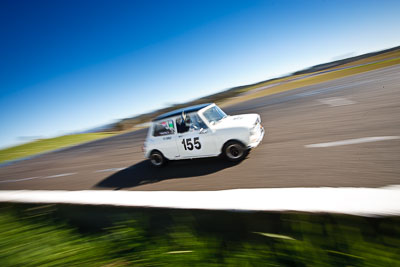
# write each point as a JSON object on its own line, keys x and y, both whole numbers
{"x": 214, "y": 114}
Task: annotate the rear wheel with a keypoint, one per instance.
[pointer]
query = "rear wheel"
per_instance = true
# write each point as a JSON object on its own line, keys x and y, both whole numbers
{"x": 235, "y": 151}
{"x": 157, "y": 159}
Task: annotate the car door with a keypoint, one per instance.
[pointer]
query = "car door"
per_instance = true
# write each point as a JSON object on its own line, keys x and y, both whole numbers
{"x": 164, "y": 138}
{"x": 197, "y": 140}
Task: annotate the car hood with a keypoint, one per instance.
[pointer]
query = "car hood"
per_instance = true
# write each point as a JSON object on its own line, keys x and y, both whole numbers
{"x": 243, "y": 120}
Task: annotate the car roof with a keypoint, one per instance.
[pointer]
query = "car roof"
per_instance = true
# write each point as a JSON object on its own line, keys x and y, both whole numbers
{"x": 179, "y": 111}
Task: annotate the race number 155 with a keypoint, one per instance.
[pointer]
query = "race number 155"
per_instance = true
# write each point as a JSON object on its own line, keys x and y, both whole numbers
{"x": 187, "y": 143}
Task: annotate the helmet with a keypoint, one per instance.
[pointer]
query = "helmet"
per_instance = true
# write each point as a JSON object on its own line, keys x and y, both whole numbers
{"x": 183, "y": 117}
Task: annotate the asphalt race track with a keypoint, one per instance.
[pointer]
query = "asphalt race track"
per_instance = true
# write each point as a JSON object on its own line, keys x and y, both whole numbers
{"x": 362, "y": 110}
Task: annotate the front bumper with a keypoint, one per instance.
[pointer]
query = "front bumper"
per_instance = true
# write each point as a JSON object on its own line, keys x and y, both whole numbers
{"x": 258, "y": 140}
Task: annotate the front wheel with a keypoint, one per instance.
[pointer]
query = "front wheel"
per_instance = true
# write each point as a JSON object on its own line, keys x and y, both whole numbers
{"x": 157, "y": 159}
{"x": 235, "y": 151}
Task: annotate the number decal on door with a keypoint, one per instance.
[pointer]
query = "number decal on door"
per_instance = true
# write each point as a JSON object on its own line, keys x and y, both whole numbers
{"x": 187, "y": 143}
{"x": 197, "y": 144}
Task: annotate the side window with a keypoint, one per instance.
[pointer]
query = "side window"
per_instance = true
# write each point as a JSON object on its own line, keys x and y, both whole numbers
{"x": 189, "y": 123}
{"x": 163, "y": 128}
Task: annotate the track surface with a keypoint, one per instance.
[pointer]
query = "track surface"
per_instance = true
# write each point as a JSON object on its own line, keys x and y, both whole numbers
{"x": 363, "y": 105}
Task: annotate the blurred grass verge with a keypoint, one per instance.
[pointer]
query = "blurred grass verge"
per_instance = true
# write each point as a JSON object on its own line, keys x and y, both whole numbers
{"x": 32, "y": 235}
{"x": 46, "y": 145}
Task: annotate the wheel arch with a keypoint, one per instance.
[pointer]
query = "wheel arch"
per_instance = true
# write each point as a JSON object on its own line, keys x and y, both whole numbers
{"x": 156, "y": 150}
{"x": 231, "y": 140}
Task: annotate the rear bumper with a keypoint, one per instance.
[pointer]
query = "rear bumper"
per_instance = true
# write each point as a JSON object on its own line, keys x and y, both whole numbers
{"x": 259, "y": 139}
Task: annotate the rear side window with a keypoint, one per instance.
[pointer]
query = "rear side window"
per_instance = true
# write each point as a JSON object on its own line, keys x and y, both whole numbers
{"x": 162, "y": 128}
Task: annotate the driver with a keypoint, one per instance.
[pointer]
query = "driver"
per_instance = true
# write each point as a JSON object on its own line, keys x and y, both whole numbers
{"x": 184, "y": 124}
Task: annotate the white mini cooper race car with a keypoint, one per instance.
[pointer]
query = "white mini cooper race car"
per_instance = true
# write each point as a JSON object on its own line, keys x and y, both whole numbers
{"x": 201, "y": 131}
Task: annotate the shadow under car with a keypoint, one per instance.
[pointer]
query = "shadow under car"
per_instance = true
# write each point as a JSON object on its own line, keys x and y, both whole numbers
{"x": 144, "y": 173}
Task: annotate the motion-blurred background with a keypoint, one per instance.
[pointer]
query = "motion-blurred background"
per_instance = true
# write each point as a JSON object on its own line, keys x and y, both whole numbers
{"x": 81, "y": 80}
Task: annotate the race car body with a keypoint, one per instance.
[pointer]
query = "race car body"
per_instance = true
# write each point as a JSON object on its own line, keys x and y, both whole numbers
{"x": 201, "y": 131}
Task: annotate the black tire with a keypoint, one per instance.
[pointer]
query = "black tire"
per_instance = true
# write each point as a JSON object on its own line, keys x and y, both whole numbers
{"x": 157, "y": 159}
{"x": 234, "y": 151}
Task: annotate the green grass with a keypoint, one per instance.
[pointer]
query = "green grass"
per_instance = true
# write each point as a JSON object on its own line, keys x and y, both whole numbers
{"x": 65, "y": 235}
{"x": 384, "y": 56}
{"x": 45, "y": 145}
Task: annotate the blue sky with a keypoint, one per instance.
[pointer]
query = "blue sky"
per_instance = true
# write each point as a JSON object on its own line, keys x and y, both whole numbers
{"x": 71, "y": 65}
